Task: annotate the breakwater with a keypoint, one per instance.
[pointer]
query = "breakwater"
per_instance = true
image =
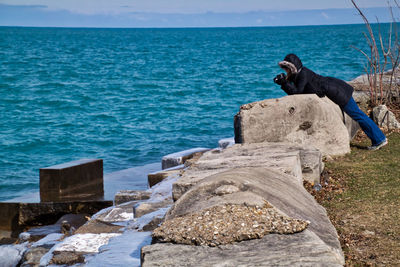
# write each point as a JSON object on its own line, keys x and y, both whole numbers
{"x": 213, "y": 193}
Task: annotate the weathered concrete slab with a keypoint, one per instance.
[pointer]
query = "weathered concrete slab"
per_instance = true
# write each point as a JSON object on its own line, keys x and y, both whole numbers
{"x": 144, "y": 208}
{"x": 256, "y": 184}
{"x": 300, "y": 119}
{"x": 95, "y": 226}
{"x": 158, "y": 177}
{"x": 9, "y": 214}
{"x": 67, "y": 224}
{"x": 75, "y": 180}
{"x": 179, "y": 158}
{"x": 302, "y": 249}
{"x": 300, "y": 162}
{"x": 317, "y": 246}
{"x": 49, "y": 212}
{"x": 124, "y": 196}
{"x": 17, "y": 216}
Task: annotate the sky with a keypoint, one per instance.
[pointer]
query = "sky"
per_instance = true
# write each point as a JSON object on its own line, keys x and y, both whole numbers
{"x": 190, "y": 6}
{"x": 181, "y": 13}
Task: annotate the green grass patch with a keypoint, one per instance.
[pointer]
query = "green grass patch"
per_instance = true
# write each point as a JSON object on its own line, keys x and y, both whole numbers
{"x": 366, "y": 209}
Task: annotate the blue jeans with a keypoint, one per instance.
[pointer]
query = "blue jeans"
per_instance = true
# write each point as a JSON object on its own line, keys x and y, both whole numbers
{"x": 367, "y": 125}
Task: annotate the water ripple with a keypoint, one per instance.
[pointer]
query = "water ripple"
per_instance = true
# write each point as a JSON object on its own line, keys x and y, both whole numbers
{"x": 130, "y": 96}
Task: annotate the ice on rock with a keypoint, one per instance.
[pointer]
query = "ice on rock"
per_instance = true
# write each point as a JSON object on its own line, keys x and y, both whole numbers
{"x": 48, "y": 240}
{"x": 226, "y": 142}
{"x": 24, "y": 236}
{"x": 80, "y": 243}
{"x": 123, "y": 250}
{"x": 144, "y": 220}
{"x": 163, "y": 190}
{"x": 179, "y": 158}
{"x": 101, "y": 212}
{"x": 85, "y": 243}
{"x": 10, "y": 255}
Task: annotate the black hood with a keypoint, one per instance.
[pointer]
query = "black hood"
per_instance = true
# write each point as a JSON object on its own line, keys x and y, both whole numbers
{"x": 292, "y": 58}
{"x": 291, "y": 62}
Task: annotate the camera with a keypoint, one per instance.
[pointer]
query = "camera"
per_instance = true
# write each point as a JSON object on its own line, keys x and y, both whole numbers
{"x": 280, "y": 78}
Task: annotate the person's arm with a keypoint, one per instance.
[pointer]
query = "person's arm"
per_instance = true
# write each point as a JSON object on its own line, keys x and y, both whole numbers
{"x": 291, "y": 88}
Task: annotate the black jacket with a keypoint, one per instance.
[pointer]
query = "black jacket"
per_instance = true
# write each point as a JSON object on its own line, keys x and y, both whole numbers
{"x": 305, "y": 81}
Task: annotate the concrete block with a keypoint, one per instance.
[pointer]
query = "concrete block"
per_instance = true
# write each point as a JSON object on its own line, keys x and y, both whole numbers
{"x": 9, "y": 213}
{"x": 158, "y": 177}
{"x": 75, "y": 180}
{"x": 318, "y": 245}
{"x": 130, "y": 195}
{"x": 300, "y": 119}
{"x": 144, "y": 208}
{"x": 14, "y": 217}
{"x": 279, "y": 156}
{"x": 179, "y": 158}
{"x": 48, "y": 213}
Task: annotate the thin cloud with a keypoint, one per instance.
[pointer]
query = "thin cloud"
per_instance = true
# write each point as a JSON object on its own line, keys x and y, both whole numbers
{"x": 325, "y": 15}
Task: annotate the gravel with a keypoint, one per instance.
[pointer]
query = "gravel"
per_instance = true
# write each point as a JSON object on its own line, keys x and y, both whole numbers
{"x": 220, "y": 225}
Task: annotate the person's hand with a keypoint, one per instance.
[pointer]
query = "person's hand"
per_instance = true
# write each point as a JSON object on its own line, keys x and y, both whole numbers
{"x": 280, "y": 78}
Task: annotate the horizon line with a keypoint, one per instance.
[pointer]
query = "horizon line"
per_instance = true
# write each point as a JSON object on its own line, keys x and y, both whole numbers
{"x": 193, "y": 27}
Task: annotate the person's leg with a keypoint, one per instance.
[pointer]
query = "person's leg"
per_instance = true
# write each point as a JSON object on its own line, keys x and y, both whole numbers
{"x": 366, "y": 124}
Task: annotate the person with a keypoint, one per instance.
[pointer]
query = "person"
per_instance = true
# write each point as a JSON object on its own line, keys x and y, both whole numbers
{"x": 301, "y": 80}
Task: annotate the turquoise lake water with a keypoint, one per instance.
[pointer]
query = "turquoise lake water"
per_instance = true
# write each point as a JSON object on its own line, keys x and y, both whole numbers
{"x": 131, "y": 96}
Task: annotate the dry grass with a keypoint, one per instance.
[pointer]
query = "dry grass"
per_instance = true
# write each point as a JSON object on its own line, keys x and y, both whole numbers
{"x": 362, "y": 198}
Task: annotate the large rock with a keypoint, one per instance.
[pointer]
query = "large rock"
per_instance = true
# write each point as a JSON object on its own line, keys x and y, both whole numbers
{"x": 302, "y": 249}
{"x": 32, "y": 256}
{"x": 362, "y": 99}
{"x": 300, "y": 162}
{"x": 254, "y": 186}
{"x": 251, "y": 187}
{"x": 385, "y": 118}
{"x": 301, "y": 119}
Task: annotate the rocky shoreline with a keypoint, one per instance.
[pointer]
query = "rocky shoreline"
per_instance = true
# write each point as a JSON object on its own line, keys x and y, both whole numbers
{"x": 239, "y": 204}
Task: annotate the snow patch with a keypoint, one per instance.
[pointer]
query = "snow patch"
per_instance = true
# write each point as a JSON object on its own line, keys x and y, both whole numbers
{"x": 10, "y": 255}
{"x": 85, "y": 243}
